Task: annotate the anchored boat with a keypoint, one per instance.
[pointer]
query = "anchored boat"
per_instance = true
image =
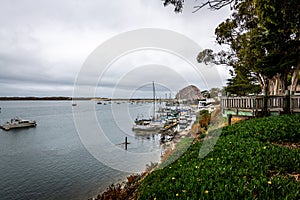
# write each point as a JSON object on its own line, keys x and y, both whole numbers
{"x": 18, "y": 123}
{"x": 150, "y": 124}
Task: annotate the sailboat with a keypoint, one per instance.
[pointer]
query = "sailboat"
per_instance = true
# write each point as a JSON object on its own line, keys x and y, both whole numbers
{"x": 149, "y": 124}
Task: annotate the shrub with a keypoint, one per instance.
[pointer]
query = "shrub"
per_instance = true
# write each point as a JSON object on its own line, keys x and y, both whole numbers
{"x": 244, "y": 164}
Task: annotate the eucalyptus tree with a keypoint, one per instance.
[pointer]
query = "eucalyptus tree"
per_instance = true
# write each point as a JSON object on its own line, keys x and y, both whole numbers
{"x": 279, "y": 22}
{"x": 263, "y": 36}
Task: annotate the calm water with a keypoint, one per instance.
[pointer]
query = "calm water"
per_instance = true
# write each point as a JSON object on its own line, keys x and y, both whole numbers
{"x": 51, "y": 161}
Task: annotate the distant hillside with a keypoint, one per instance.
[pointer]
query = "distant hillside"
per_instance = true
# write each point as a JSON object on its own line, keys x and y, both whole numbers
{"x": 189, "y": 92}
{"x": 34, "y": 98}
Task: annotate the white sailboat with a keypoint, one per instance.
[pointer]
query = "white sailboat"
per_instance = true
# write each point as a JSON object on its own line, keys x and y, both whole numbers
{"x": 150, "y": 124}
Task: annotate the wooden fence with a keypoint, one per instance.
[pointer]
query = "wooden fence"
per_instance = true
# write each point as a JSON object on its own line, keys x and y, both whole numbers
{"x": 260, "y": 105}
{"x": 295, "y": 104}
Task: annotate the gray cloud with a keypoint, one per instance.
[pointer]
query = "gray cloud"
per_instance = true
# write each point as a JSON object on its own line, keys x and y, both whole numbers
{"x": 43, "y": 44}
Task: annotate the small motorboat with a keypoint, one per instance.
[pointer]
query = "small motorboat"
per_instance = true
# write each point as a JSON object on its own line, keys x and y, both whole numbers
{"x": 18, "y": 123}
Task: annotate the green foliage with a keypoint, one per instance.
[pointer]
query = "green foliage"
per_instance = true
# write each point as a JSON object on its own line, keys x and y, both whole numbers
{"x": 181, "y": 148}
{"x": 214, "y": 92}
{"x": 285, "y": 128}
{"x": 204, "y": 119}
{"x": 263, "y": 36}
{"x": 243, "y": 165}
{"x": 203, "y": 113}
{"x": 242, "y": 84}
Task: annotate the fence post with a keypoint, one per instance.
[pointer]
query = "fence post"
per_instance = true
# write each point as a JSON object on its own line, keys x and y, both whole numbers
{"x": 229, "y": 119}
{"x": 265, "y": 100}
{"x": 287, "y": 102}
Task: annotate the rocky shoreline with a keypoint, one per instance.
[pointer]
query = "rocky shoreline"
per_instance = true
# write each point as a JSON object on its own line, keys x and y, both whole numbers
{"x": 127, "y": 189}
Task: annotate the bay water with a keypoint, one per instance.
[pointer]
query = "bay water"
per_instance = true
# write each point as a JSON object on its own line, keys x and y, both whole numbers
{"x": 51, "y": 161}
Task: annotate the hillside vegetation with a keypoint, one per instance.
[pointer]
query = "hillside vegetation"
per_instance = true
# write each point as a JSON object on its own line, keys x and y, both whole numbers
{"x": 254, "y": 159}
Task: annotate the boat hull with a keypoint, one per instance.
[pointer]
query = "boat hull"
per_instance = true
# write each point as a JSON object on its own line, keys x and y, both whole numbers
{"x": 146, "y": 128}
{"x": 9, "y": 126}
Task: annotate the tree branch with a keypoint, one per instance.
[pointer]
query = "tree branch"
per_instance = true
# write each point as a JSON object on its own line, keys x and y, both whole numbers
{"x": 212, "y": 4}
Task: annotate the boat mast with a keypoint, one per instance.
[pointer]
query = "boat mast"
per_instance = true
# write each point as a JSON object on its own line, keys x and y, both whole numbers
{"x": 153, "y": 100}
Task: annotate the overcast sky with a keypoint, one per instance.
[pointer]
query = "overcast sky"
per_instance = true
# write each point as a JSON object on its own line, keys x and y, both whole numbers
{"x": 44, "y": 44}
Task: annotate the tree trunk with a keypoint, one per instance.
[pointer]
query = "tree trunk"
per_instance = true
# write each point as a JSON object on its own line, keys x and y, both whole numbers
{"x": 271, "y": 88}
{"x": 266, "y": 87}
{"x": 262, "y": 82}
{"x": 277, "y": 85}
{"x": 295, "y": 77}
{"x": 283, "y": 84}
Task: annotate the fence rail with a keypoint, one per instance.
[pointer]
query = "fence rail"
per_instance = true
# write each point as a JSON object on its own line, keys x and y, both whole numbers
{"x": 295, "y": 103}
{"x": 285, "y": 104}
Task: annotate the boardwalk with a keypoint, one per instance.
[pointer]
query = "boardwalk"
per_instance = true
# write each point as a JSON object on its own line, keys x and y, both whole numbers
{"x": 254, "y": 106}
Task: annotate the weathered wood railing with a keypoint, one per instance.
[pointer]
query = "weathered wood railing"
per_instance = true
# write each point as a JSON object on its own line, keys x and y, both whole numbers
{"x": 242, "y": 102}
{"x": 295, "y": 104}
{"x": 260, "y": 105}
{"x": 277, "y": 102}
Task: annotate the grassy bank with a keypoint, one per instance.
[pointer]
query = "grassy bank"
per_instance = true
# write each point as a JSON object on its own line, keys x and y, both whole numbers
{"x": 255, "y": 159}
